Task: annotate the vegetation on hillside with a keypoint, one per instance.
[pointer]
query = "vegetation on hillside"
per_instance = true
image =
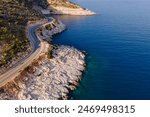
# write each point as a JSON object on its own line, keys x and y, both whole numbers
{"x": 14, "y": 16}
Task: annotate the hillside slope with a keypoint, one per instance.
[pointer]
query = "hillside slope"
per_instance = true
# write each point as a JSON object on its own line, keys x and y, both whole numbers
{"x": 14, "y": 16}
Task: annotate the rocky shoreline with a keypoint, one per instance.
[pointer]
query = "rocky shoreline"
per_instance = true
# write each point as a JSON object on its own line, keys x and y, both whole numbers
{"x": 70, "y": 11}
{"x": 52, "y": 76}
{"x": 64, "y": 7}
{"x": 47, "y": 31}
{"x": 56, "y": 72}
{"x": 48, "y": 78}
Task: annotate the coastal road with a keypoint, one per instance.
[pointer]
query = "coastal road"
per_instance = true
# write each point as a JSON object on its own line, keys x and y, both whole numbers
{"x": 37, "y": 48}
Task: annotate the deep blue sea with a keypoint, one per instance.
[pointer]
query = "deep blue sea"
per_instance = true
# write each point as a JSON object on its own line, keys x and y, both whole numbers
{"x": 117, "y": 41}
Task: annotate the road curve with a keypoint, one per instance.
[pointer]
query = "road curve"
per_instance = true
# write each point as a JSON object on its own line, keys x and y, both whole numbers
{"x": 37, "y": 48}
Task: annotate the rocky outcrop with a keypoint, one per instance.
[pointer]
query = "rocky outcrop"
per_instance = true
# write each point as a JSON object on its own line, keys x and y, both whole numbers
{"x": 48, "y": 79}
{"x": 49, "y": 29}
{"x": 67, "y": 8}
{"x": 59, "y": 7}
{"x": 61, "y": 10}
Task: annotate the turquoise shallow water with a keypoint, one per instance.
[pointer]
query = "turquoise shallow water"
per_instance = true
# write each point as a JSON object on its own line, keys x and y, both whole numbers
{"x": 117, "y": 41}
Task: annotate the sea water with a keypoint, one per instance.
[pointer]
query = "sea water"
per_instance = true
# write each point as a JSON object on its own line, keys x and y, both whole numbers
{"x": 117, "y": 41}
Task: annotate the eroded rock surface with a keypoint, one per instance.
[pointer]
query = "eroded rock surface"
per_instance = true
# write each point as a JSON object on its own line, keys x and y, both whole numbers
{"x": 48, "y": 78}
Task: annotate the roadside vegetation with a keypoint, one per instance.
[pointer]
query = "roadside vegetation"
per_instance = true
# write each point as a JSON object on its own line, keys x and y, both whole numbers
{"x": 14, "y": 16}
{"x": 49, "y": 54}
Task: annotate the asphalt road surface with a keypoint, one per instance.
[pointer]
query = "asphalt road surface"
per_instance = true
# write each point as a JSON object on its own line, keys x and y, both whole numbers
{"x": 37, "y": 48}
